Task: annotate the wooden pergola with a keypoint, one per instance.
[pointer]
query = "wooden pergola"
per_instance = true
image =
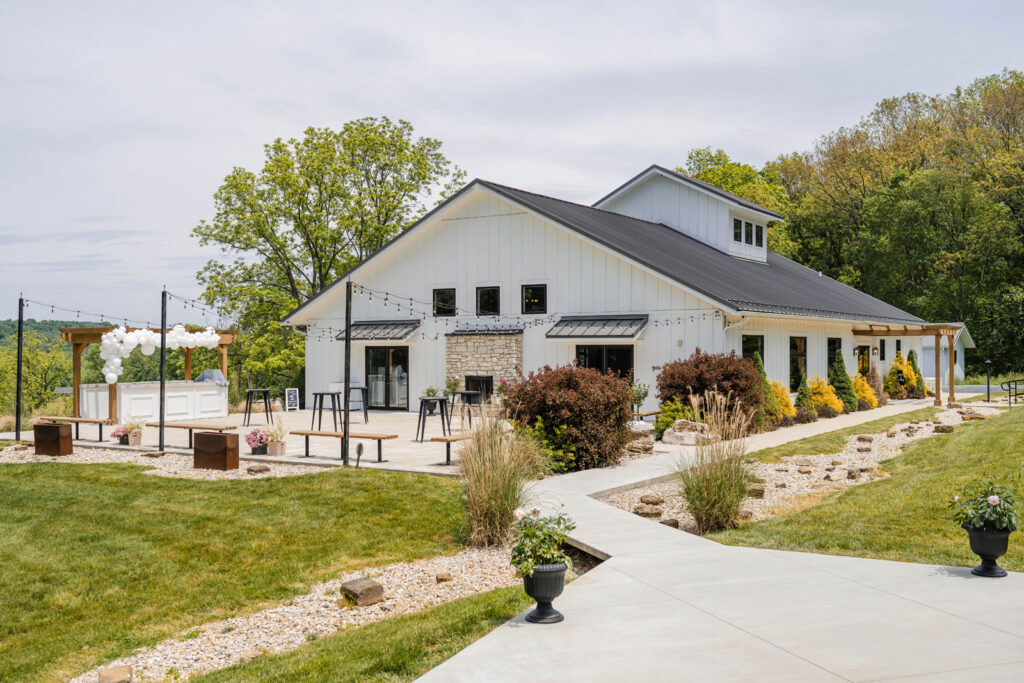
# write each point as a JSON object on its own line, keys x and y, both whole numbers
{"x": 81, "y": 337}
{"x": 939, "y": 331}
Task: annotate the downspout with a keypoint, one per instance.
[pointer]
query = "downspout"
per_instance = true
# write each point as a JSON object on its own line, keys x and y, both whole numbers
{"x": 739, "y": 323}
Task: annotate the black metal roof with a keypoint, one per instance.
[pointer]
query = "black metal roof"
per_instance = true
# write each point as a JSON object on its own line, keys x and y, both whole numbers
{"x": 484, "y": 328}
{"x": 605, "y": 326}
{"x": 390, "y": 330}
{"x": 778, "y": 286}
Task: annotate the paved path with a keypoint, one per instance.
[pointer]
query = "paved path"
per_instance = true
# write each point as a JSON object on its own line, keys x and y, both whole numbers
{"x": 670, "y": 606}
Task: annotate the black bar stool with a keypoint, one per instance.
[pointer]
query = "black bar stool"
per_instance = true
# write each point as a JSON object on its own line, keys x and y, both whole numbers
{"x": 421, "y": 421}
{"x": 318, "y": 407}
{"x": 250, "y": 394}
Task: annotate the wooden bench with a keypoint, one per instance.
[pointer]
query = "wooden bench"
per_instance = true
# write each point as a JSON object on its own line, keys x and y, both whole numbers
{"x": 54, "y": 419}
{"x": 448, "y": 441}
{"x": 647, "y": 413}
{"x": 379, "y": 438}
{"x": 196, "y": 426}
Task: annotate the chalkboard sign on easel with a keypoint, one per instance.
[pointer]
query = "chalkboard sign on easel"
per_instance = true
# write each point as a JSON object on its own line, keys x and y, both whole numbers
{"x": 291, "y": 399}
{"x": 900, "y": 378}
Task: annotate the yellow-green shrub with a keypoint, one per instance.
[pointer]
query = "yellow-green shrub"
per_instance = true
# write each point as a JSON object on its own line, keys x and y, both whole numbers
{"x": 824, "y": 394}
{"x": 864, "y": 392}
{"x": 892, "y": 383}
{"x": 782, "y": 396}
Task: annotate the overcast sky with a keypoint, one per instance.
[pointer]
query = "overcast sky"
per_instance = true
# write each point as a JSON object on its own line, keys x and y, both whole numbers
{"x": 120, "y": 120}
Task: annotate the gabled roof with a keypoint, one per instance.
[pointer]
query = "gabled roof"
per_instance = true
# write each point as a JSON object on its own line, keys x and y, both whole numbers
{"x": 778, "y": 286}
{"x": 700, "y": 185}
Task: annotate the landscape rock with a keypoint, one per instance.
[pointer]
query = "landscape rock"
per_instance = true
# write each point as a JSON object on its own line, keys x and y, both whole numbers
{"x": 805, "y": 470}
{"x": 153, "y": 454}
{"x": 647, "y": 511}
{"x": 782, "y": 469}
{"x": 671, "y": 521}
{"x": 641, "y": 428}
{"x": 836, "y": 462}
{"x": 891, "y": 433}
{"x": 970, "y": 416}
{"x": 853, "y": 473}
{"x": 830, "y": 468}
{"x": 805, "y": 462}
{"x": 257, "y": 469}
{"x": 755, "y": 491}
{"x": 943, "y": 429}
{"x": 250, "y": 655}
{"x": 22, "y": 447}
{"x": 780, "y": 484}
{"x": 640, "y": 446}
{"x": 116, "y": 674}
{"x": 828, "y": 477}
{"x": 674, "y": 438}
{"x": 650, "y": 499}
{"x": 955, "y": 405}
{"x": 746, "y": 514}
{"x": 363, "y": 591}
{"x": 864, "y": 449}
{"x": 441, "y": 577}
{"x": 865, "y": 438}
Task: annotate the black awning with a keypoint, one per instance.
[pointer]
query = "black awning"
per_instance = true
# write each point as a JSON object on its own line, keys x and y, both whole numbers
{"x": 385, "y": 330}
{"x": 617, "y": 326}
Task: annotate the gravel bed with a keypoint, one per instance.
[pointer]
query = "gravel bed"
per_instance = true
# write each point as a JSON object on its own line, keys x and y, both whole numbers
{"x": 169, "y": 465}
{"x": 800, "y": 480}
{"x": 408, "y": 587}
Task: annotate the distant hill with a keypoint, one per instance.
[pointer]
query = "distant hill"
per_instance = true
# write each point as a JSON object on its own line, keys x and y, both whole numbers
{"x": 48, "y": 328}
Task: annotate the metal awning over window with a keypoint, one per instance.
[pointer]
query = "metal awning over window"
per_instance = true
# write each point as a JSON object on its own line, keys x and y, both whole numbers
{"x": 601, "y": 326}
{"x": 384, "y": 330}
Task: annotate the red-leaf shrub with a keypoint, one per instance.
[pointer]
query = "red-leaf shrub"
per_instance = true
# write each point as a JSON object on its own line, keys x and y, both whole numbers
{"x": 593, "y": 407}
{"x": 726, "y": 373}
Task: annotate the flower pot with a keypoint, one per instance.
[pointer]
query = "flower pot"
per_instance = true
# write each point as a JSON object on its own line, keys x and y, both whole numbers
{"x": 545, "y": 585}
{"x": 259, "y": 450}
{"x": 123, "y": 440}
{"x": 276, "y": 448}
{"x": 431, "y": 405}
{"x": 989, "y": 545}
{"x": 135, "y": 439}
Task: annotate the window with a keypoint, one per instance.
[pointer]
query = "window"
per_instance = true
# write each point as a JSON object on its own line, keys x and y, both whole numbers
{"x": 899, "y": 346}
{"x": 881, "y": 349}
{"x": 835, "y": 348}
{"x": 749, "y": 233}
{"x": 616, "y": 360}
{"x": 737, "y": 230}
{"x": 797, "y": 361}
{"x": 759, "y": 235}
{"x": 753, "y": 343}
{"x": 488, "y": 301}
{"x": 535, "y": 298}
{"x": 444, "y": 302}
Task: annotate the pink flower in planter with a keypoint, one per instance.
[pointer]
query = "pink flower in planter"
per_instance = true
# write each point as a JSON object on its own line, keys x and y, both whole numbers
{"x": 518, "y": 514}
{"x": 956, "y": 499}
{"x": 536, "y": 512}
{"x": 993, "y": 500}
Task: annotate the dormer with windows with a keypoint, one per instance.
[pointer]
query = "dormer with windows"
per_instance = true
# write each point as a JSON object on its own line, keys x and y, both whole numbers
{"x": 718, "y": 218}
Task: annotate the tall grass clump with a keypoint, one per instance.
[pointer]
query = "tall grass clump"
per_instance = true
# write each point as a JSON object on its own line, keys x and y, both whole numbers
{"x": 496, "y": 467}
{"x": 715, "y": 484}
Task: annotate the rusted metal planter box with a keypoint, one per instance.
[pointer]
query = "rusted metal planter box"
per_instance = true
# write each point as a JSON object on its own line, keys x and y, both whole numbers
{"x": 215, "y": 451}
{"x": 53, "y": 439}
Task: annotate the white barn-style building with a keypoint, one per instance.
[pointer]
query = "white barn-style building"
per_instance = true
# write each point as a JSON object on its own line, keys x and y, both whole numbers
{"x": 497, "y": 281}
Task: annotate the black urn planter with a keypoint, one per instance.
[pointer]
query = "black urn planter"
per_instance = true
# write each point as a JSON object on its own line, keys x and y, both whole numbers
{"x": 431, "y": 405}
{"x": 989, "y": 545}
{"x": 259, "y": 450}
{"x": 545, "y": 585}
{"x": 123, "y": 440}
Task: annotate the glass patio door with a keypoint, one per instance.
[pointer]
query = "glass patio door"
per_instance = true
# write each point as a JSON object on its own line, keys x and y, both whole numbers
{"x": 387, "y": 377}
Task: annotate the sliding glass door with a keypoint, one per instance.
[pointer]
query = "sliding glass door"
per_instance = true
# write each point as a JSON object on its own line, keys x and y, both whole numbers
{"x": 387, "y": 377}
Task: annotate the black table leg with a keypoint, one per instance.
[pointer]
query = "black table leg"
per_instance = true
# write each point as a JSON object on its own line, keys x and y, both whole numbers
{"x": 444, "y": 419}
{"x": 307, "y": 447}
{"x": 447, "y": 452}
{"x": 366, "y": 415}
{"x": 248, "y": 408}
{"x": 190, "y": 438}
{"x": 266, "y": 407}
{"x": 380, "y": 451}
{"x": 76, "y": 432}
{"x": 334, "y": 410}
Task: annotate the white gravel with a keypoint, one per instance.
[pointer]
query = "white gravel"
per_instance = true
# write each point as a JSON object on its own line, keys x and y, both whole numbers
{"x": 168, "y": 465}
{"x": 408, "y": 587}
{"x": 787, "y": 488}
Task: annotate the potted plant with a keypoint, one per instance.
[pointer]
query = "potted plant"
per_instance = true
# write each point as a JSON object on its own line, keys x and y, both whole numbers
{"x": 257, "y": 440}
{"x": 451, "y": 385}
{"x": 120, "y": 435}
{"x": 275, "y": 439}
{"x": 428, "y": 394}
{"x": 538, "y": 556}
{"x": 134, "y": 429}
{"x": 988, "y": 510}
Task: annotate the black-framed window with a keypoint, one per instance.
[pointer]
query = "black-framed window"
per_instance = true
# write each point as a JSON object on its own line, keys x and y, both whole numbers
{"x": 444, "y": 302}
{"x": 749, "y": 233}
{"x": 737, "y": 230}
{"x": 610, "y": 358}
{"x": 753, "y": 343}
{"x": 535, "y": 298}
{"x": 899, "y": 346}
{"x": 488, "y": 301}
{"x": 881, "y": 349}
{"x": 759, "y": 235}
{"x": 835, "y": 347}
{"x": 797, "y": 361}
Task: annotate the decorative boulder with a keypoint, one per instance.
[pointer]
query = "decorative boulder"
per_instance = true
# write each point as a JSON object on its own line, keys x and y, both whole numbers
{"x": 647, "y": 511}
{"x": 943, "y": 429}
{"x": 651, "y": 499}
{"x": 116, "y": 674}
{"x": 362, "y": 591}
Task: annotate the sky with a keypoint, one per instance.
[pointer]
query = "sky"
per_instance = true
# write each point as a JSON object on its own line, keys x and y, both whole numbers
{"x": 119, "y": 120}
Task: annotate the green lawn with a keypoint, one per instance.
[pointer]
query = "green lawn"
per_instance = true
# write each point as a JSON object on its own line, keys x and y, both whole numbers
{"x": 982, "y": 397}
{"x": 833, "y": 442}
{"x": 904, "y": 517}
{"x": 101, "y": 559}
{"x": 398, "y": 649}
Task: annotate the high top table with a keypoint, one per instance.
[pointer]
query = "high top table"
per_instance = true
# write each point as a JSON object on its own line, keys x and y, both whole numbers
{"x": 250, "y": 394}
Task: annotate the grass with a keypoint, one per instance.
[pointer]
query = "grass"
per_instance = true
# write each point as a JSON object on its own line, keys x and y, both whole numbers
{"x": 102, "y": 559}
{"x": 398, "y": 649}
{"x": 904, "y": 517}
{"x": 832, "y": 442}
{"x": 982, "y": 397}
{"x": 996, "y": 379}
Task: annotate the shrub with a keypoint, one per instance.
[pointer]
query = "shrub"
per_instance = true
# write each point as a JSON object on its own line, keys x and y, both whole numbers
{"x": 715, "y": 484}
{"x": 725, "y": 373}
{"x": 496, "y": 468}
{"x": 639, "y": 392}
{"x": 671, "y": 410}
{"x": 805, "y": 416}
{"x": 771, "y": 409}
{"x": 804, "y": 401}
{"x": 917, "y": 389}
{"x": 892, "y": 383}
{"x": 875, "y": 381}
{"x": 540, "y": 540}
{"x": 864, "y": 392}
{"x": 559, "y": 454}
{"x": 824, "y": 394}
{"x": 594, "y": 409}
{"x": 840, "y": 381}
{"x": 781, "y": 392}
{"x": 863, "y": 405}
{"x": 826, "y": 411}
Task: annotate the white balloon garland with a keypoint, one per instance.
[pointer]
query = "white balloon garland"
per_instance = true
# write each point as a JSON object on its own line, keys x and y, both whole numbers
{"x": 119, "y": 343}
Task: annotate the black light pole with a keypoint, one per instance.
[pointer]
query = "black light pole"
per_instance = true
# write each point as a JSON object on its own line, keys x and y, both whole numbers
{"x": 988, "y": 381}
{"x": 163, "y": 361}
{"x": 17, "y": 395}
{"x": 348, "y": 368}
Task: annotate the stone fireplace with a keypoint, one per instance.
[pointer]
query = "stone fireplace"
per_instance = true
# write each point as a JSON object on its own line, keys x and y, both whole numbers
{"x": 477, "y": 354}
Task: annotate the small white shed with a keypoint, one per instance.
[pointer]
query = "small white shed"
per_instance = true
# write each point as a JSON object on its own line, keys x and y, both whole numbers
{"x": 961, "y": 342}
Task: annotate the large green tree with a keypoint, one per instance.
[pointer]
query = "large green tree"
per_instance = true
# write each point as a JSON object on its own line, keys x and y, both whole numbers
{"x": 318, "y": 206}
{"x": 46, "y": 366}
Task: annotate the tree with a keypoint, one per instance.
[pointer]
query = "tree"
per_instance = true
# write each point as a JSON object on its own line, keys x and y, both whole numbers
{"x": 771, "y": 409}
{"x": 804, "y": 401}
{"x": 45, "y": 367}
{"x": 318, "y": 207}
{"x": 840, "y": 381}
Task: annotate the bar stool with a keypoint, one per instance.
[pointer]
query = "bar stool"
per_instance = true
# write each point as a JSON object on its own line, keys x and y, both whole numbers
{"x": 421, "y": 421}
{"x": 318, "y": 405}
{"x": 250, "y": 394}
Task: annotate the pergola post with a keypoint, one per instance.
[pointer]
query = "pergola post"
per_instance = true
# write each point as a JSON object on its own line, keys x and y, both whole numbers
{"x": 188, "y": 364}
{"x": 112, "y": 401}
{"x": 76, "y": 378}
{"x": 938, "y": 371}
{"x": 222, "y": 351}
{"x": 952, "y": 369}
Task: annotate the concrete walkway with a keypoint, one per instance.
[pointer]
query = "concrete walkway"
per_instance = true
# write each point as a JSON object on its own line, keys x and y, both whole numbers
{"x": 670, "y": 606}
